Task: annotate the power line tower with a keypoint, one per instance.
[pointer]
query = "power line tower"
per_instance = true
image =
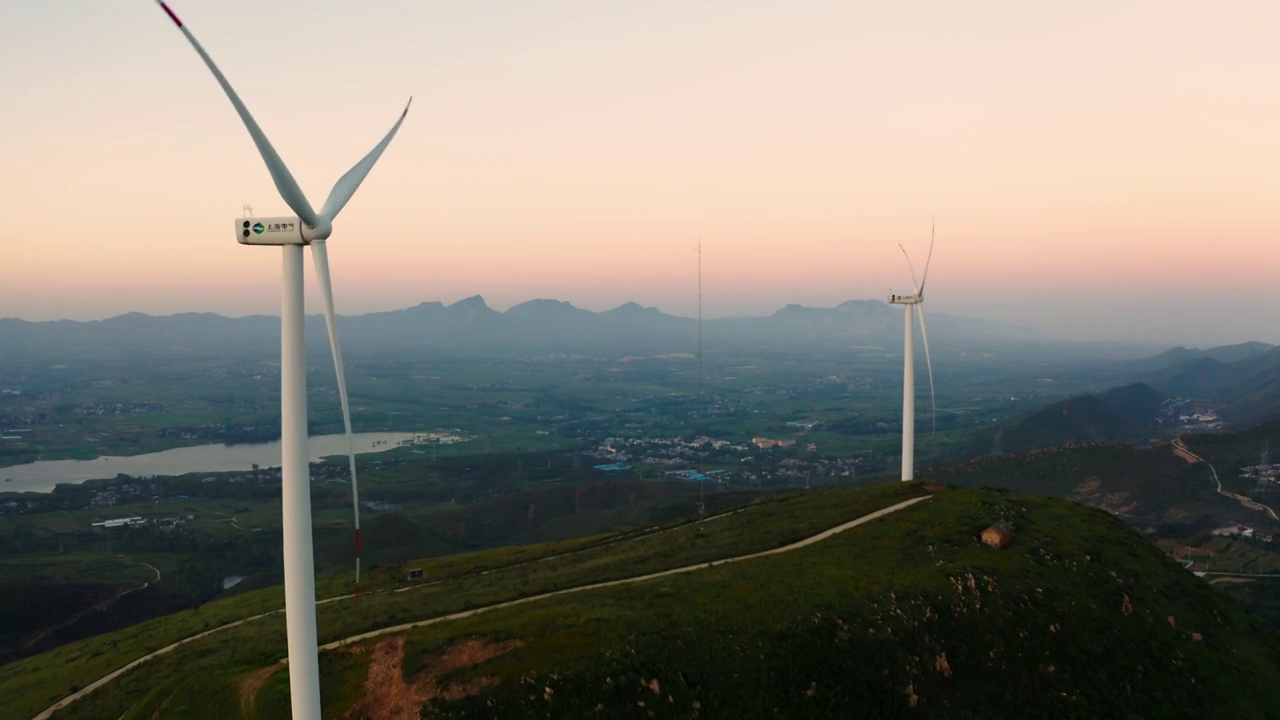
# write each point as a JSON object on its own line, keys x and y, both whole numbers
{"x": 1264, "y": 480}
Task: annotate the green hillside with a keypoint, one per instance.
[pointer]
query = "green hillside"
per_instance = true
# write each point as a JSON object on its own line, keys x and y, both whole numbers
{"x": 908, "y": 615}
{"x": 1121, "y": 414}
{"x": 1151, "y": 483}
{"x": 1151, "y": 487}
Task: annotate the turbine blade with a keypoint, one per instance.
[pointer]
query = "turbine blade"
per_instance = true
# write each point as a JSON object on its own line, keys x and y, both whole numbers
{"x": 932, "y": 227}
{"x": 910, "y": 267}
{"x": 928, "y": 362}
{"x": 319, "y": 253}
{"x": 347, "y": 184}
{"x": 285, "y": 184}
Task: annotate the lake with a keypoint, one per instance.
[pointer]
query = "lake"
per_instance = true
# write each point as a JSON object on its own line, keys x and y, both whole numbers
{"x": 41, "y": 476}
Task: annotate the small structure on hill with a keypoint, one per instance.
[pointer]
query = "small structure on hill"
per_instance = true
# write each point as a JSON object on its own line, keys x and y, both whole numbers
{"x": 999, "y": 534}
{"x": 416, "y": 574}
{"x": 120, "y": 522}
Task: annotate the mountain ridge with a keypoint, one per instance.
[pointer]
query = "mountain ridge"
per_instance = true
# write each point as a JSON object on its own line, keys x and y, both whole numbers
{"x": 470, "y": 323}
{"x": 1120, "y": 414}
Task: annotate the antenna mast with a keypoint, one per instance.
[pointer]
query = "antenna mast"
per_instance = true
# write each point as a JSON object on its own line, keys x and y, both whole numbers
{"x": 702, "y": 484}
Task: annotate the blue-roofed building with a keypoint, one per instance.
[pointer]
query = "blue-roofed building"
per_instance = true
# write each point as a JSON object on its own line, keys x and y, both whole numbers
{"x": 614, "y": 467}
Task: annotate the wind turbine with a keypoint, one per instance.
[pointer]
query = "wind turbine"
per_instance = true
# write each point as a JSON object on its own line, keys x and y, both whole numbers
{"x": 291, "y": 233}
{"x": 914, "y": 304}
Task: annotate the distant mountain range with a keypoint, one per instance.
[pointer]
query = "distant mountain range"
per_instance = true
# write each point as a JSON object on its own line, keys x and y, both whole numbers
{"x": 1222, "y": 354}
{"x": 1243, "y": 378}
{"x": 1248, "y": 381}
{"x": 471, "y": 325}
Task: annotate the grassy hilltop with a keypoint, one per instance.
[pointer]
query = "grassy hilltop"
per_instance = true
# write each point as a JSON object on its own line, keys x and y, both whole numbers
{"x": 908, "y": 615}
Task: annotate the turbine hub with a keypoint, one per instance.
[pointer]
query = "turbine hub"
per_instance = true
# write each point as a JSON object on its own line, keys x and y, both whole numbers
{"x": 322, "y": 230}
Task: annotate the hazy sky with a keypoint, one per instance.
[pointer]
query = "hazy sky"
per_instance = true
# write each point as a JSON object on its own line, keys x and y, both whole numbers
{"x": 1104, "y": 170}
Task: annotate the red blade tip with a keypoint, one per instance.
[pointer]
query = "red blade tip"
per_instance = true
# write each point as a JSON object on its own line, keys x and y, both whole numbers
{"x": 172, "y": 17}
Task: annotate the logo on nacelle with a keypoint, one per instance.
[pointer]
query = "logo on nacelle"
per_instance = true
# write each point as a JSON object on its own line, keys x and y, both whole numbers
{"x": 248, "y": 228}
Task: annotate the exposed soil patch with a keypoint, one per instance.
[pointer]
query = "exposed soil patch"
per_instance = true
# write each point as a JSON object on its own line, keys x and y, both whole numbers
{"x": 387, "y": 695}
{"x": 1090, "y": 492}
{"x": 1088, "y": 487}
{"x": 251, "y": 684}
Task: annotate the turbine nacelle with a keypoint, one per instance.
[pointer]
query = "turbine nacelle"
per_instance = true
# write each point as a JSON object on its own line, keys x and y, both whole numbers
{"x": 287, "y": 230}
{"x": 906, "y": 299}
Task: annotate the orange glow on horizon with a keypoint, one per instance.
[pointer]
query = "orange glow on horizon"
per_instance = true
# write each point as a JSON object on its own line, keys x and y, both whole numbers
{"x": 578, "y": 152}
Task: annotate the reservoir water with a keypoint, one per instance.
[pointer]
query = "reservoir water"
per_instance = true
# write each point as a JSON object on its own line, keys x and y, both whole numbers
{"x": 41, "y": 476}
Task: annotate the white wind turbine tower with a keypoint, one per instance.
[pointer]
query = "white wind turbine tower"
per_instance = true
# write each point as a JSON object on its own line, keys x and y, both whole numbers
{"x": 291, "y": 234}
{"x": 914, "y": 304}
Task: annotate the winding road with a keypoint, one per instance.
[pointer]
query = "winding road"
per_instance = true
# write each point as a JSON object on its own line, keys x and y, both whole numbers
{"x": 1242, "y": 499}
{"x": 48, "y": 712}
{"x": 95, "y": 608}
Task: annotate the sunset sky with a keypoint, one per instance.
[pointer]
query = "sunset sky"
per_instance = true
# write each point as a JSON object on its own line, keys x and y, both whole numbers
{"x": 1100, "y": 170}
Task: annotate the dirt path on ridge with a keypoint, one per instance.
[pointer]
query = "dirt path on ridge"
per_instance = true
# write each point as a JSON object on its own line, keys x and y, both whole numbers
{"x": 49, "y": 711}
